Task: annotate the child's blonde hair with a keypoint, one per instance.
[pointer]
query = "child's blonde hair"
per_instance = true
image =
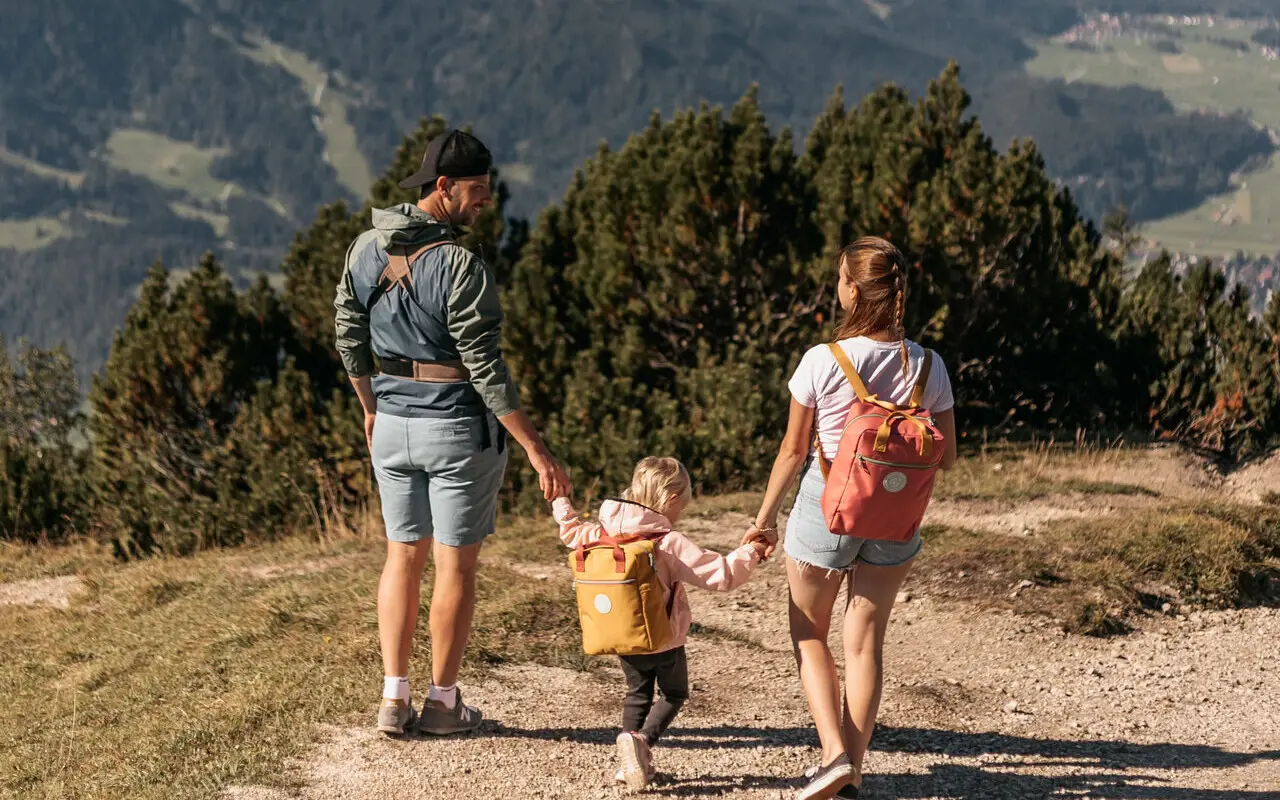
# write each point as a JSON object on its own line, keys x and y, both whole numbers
{"x": 657, "y": 481}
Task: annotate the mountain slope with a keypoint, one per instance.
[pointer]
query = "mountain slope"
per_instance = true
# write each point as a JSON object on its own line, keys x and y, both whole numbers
{"x": 165, "y": 128}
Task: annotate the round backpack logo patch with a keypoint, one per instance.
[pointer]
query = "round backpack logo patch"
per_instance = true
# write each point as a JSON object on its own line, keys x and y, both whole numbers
{"x": 895, "y": 482}
{"x": 602, "y": 604}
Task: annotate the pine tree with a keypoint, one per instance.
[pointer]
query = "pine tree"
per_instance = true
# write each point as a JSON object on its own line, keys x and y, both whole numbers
{"x": 1207, "y": 365}
{"x": 669, "y": 280}
{"x": 181, "y": 372}
{"x": 1271, "y": 331}
{"x": 1245, "y": 393}
{"x": 41, "y": 488}
{"x": 1008, "y": 280}
{"x": 1166, "y": 346}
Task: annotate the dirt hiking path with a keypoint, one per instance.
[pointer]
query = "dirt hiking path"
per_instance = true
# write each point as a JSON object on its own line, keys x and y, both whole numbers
{"x": 978, "y": 704}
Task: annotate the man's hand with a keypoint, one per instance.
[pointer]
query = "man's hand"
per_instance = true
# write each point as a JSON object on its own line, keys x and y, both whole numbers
{"x": 553, "y": 478}
{"x": 368, "y": 430}
{"x": 369, "y": 402}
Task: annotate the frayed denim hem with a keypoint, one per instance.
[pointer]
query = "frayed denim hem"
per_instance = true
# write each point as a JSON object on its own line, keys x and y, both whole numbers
{"x": 806, "y": 567}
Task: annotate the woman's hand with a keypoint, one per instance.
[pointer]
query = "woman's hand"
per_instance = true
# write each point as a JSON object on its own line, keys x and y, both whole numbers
{"x": 767, "y": 534}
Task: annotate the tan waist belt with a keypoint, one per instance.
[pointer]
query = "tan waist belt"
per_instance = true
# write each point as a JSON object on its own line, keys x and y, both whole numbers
{"x": 426, "y": 371}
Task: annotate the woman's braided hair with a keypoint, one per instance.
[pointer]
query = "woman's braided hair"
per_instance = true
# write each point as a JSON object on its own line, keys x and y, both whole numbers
{"x": 879, "y": 272}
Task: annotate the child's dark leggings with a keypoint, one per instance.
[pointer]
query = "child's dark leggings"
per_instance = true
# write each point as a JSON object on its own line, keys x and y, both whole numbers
{"x": 670, "y": 671}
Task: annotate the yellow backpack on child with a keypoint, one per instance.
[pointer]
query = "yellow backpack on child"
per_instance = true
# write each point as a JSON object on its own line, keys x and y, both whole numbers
{"x": 620, "y": 596}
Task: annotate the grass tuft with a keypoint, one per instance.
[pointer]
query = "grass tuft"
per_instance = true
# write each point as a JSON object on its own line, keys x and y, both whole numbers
{"x": 1094, "y": 574}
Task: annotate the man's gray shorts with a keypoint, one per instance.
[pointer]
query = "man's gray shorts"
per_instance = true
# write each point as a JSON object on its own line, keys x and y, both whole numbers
{"x": 439, "y": 477}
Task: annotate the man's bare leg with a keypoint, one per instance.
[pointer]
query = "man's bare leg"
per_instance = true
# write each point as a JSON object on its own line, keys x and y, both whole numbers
{"x": 453, "y": 606}
{"x": 398, "y": 599}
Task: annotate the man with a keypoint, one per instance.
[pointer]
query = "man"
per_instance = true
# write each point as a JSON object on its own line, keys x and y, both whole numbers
{"x": 428, "y": 308}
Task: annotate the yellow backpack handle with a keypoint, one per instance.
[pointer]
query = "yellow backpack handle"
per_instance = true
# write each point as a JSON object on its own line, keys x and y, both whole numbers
{"x": 615, "y": 542}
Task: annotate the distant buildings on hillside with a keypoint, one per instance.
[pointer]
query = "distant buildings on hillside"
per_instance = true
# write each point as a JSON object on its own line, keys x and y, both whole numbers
{"x": 1097, "y": 29}
{"x": 1260, "y": 275}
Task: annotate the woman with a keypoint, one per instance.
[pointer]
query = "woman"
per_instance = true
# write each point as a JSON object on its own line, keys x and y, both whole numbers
{"x": 872, "y": 293}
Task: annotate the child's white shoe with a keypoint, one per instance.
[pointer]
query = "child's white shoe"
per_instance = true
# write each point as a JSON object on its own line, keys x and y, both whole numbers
{"x": 636, "y": 762}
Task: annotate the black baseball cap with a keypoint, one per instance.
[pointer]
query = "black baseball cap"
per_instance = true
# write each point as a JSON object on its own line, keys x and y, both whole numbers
{"x": 453, "y": 154}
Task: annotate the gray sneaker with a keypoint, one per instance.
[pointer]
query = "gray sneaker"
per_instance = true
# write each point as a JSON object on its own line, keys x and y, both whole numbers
{"x": 394, "y": 716}
{"x": 828, "y": 780}
{"x": 438, "y": 719}
{"x": 849, "y": 792}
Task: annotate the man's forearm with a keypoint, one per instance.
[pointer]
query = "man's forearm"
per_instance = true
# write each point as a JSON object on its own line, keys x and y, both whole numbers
{"x": 364, "y": 390}
{"x": 521, "y": 429}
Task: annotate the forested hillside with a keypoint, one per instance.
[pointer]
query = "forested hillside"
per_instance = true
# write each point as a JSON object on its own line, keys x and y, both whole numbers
{"x": 163, "y": 128}
{"x": 658, "y": 306}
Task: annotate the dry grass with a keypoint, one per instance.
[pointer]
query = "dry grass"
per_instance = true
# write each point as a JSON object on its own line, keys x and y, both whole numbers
{"x": 174, "y": 678}
{"x": 1095, "y": 575}
{"x": 1022, "y": 474}
{"x": 23, "y": 562}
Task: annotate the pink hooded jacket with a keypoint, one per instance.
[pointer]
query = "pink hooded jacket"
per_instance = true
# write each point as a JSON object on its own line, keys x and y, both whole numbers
{"x": 678, "y": 559}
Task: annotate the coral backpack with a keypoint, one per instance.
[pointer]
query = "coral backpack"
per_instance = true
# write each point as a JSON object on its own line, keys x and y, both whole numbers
{"x": 882, "y": 477}
{"x": 620, "y": 596}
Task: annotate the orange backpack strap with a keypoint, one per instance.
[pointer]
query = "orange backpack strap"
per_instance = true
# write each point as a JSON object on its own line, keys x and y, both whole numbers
{"x": 823, "y": 463}
{"x": 399, "y": 269}
{"x": 917, "y": 394}
{"x": 846, "y": 366}
{"x": 859, "y": 388}
{"x": 886, "y": 430}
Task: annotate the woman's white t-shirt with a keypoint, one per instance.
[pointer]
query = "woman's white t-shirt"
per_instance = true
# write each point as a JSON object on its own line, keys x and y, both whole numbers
{"x": 819, "y": 384}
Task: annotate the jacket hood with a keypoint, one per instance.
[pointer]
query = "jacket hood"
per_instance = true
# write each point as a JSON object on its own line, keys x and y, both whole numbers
{"x": 624, "y": 518}
{"x": 406, "y": 224}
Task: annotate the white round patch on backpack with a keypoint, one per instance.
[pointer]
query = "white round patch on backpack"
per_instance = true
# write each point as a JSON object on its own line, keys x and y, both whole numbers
{"x": 602, "y": 604}
{"x": 895, "y": 482}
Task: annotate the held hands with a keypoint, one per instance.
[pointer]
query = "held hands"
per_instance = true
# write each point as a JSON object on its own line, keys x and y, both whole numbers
{"x": 763, "y": 539}
{"x": 553, "y": 478}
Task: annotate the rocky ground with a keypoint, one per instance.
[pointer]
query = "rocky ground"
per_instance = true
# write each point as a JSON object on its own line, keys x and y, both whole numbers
{"x": 979, "y": 703}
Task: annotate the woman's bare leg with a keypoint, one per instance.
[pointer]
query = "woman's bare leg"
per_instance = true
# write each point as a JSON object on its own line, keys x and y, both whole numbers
{"x": 872, "y": 591}
{"x": 812, "y": 597}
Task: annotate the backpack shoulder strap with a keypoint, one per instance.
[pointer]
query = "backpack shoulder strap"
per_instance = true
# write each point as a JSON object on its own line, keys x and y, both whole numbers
{"x": 399, "y": 269}
{"x": 917, "y": 394}
{"x": 846, "y": 366}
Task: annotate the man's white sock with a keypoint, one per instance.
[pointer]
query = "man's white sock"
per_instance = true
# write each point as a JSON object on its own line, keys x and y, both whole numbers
{"x": 444, "y": 694}
{"x": 395, "y": 688}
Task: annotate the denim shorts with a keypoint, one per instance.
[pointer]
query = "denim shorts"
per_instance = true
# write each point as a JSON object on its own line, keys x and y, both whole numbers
{"x": 809, "y": 543}
{"x": 439, "y": 478}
